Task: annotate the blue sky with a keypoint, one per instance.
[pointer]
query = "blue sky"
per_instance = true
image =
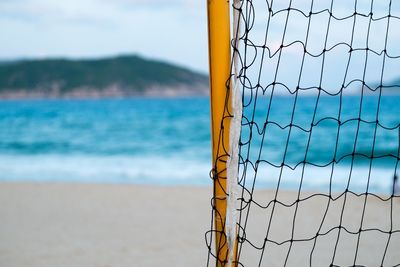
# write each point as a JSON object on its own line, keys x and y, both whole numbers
{"x": 174, "y": 30}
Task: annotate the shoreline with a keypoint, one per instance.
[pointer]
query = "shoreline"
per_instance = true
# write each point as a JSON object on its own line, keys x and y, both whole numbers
{"x": 112, "y": 92}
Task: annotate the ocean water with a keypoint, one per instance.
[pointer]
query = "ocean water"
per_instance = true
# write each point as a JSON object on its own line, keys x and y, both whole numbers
{"x": 167, "y": 141}
{"x": 163, "y": 141}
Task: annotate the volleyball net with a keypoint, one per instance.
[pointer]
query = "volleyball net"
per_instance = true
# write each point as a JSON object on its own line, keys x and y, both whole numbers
{"x": 306, "y": 133}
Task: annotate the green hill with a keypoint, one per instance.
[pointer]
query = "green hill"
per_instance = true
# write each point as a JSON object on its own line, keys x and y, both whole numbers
{"x": 117, "y": 76}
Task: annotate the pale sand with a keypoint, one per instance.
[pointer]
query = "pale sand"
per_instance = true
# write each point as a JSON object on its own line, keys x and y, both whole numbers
{"x": 74, "y": 225}
{"x": 86, "y": 225}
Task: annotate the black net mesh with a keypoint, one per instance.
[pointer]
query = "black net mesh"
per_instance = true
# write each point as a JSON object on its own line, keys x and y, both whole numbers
{"x": 319, "y": 146}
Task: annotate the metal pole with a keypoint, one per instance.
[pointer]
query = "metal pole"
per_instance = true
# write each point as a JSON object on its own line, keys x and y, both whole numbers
{"x": 220, "y": 63}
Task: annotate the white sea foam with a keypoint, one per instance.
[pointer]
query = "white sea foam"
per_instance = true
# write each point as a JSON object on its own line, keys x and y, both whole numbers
{"x": 322, "y": 179}
{"x": 119, "y": 169}
{"x": 180, "y": 170}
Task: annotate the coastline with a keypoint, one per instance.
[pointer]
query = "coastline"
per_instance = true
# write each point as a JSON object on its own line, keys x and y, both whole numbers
{"x": 115, "y": 91}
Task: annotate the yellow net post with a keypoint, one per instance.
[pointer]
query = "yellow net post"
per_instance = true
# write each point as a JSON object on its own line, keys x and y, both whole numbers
{"x": 220, "y": 64}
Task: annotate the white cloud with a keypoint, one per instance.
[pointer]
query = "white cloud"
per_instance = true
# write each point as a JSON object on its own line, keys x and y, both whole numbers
{"x": 171, "y": 30}
{"x": 174, "y": 30}
{"x": 90, "y": 9}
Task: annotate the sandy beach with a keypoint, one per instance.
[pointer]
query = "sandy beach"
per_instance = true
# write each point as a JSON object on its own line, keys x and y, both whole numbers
{"x": 102, "y": 225}
{"x": 99, "y": 225}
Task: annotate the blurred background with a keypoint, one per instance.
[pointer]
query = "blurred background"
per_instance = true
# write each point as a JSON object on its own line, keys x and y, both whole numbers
{"x": 117, "y": 91}
{"x": 174, "y": 31}
{"x": 96, "y": 96}
{"x": 92, "y": 54}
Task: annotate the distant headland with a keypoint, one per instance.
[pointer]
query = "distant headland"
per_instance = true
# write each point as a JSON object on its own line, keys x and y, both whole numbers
{"x": 120, "y": 76}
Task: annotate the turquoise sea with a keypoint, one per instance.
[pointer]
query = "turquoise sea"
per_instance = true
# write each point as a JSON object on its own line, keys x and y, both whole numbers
{"x": 167, "y": 141}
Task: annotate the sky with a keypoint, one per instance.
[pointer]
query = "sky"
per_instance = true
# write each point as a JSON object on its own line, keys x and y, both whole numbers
{"x": 174, "y": 31}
